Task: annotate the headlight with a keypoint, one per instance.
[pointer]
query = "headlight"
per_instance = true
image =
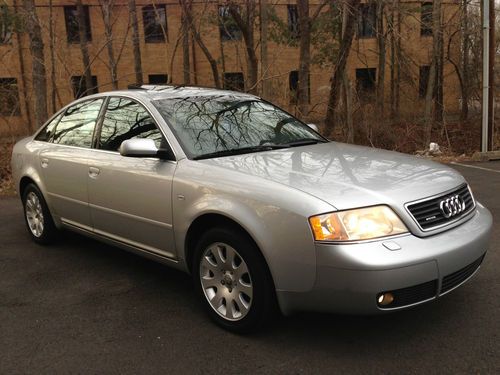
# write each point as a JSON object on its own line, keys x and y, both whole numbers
{"x": 358, "y": 224}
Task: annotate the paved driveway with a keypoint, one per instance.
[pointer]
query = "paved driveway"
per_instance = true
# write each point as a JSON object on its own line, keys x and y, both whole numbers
{"x": 85, "y": 307}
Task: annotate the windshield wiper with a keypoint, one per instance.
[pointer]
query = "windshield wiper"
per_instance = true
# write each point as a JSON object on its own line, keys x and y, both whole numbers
{"x": 304, "y": 142}
{"x": 238, "y": 151}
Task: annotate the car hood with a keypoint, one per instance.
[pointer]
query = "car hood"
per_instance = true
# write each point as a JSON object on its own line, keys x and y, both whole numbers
{"x": 345, "y": 175}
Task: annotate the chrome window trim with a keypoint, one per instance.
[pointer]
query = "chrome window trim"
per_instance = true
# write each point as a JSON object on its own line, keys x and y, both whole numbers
{"x": 462, "y": 217}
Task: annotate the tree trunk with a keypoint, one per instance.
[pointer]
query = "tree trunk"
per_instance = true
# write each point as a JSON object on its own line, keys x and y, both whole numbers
{"x": 82, "y": 32}
{"x": 246, "y": 27}
{"x": 201, "y": 44}
{"x": 136, "y": 46}
{"x": 22, "y": 69}
{"x": 304, "y": 57}
{"x": 381, "y": 59}
{"x": 464, "y": 113}
{"x": 433, "y": 73}
{"x": 39, "y": 77}
{"x": 106, "y": 10}
{"x": 352, "y": 6}
{"x": 186, "y": 65}
{"x": 264, "y": 64}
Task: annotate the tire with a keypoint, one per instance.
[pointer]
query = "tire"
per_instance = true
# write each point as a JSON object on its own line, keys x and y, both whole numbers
{"x": 37, "y": 216}
{"x": 238, "y": 295}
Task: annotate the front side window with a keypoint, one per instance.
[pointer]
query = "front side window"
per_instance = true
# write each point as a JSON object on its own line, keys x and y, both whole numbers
{"x": 76, "y": 127}
{"x": 207, "y": 125}
{"x": 125, "y": 119}
{"x": 154, "y": 18}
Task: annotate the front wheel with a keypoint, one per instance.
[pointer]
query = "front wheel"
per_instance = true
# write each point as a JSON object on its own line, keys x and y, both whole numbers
{"x": 233, "y": 280}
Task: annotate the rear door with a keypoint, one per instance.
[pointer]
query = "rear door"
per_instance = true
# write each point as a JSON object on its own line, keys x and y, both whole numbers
{"x": 64, "y": 160}
{"x": 130, "y": 198}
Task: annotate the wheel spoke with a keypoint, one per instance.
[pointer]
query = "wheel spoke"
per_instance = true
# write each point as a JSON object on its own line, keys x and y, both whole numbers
{"x": 245, "y": 288}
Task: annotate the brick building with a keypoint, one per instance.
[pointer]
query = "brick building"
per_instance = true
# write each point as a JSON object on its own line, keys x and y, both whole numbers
{"x": 162, "y": 60}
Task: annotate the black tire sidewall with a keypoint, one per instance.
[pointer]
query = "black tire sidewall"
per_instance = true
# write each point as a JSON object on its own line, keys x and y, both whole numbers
{"x": 262, "y": 308}
{"x": 49, "y": 228}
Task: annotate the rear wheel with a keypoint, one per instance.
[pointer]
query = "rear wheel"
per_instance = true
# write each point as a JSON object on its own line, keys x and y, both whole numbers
{"x": 37, "y": 216}
{"x": 233, "y": 280}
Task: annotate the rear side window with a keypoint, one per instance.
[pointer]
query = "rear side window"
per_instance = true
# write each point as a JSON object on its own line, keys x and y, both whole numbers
{"x": 125, "y": 119}
{"x": 76, "y": 127}
{"x": 47, "y": 132}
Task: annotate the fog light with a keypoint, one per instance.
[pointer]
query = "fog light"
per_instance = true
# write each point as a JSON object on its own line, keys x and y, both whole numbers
{"x": 385, "y": 299}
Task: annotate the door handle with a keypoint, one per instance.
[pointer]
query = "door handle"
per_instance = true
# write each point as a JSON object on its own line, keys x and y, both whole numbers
{"x": 44, "y": 162}
{"x": 94, "y": 172}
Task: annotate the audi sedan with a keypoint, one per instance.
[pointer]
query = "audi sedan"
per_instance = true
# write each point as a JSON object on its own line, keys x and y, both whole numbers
{"x": 265, "y": 213}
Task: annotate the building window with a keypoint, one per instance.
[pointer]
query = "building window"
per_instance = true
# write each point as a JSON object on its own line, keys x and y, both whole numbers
{"x": 8, "y": 21}
{"x": 293, "y": 84}
{"x": 293, "y": 21}
{"x": 426, "y": 19}
{"x": 80, "y": 87}
{"x": 367, "y": 21}
{"x": 365, "y": 80}
{"x": 157, "y": 79}
{"x": 234, "y": 81}
{"x": 423, "y": 80}
{"x": 9, "y": 97}
{"x": 155, "y": 23}
{"x": 71, "y": 20}
{"x": 228, "y": 28}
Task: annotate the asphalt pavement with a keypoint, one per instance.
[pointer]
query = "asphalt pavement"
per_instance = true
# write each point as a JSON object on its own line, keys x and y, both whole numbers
{"x": 84, "y": 307}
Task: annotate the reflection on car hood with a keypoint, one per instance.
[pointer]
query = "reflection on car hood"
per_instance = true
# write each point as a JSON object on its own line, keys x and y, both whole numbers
{"x": 346, "y": 175}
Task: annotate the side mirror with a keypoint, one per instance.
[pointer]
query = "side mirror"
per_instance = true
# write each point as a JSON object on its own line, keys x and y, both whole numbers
{"x": 139, "y": 147}
{"x": 314, "y": 127}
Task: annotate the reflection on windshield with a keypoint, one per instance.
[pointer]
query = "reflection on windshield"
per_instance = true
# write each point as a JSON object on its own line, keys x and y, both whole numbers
{"x": 207, "y": 125}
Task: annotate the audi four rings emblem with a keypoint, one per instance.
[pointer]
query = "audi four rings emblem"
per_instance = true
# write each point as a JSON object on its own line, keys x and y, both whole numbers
{"x": 452, "y": 206}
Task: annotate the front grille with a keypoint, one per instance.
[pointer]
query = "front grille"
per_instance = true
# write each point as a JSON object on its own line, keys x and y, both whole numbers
{"x": 413, "y": 294}
{"x": 456, "y": 278}
{"x": 428, "y": 214}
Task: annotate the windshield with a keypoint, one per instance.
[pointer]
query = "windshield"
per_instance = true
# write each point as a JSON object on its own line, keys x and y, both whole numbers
{"x": 210, "y": 127}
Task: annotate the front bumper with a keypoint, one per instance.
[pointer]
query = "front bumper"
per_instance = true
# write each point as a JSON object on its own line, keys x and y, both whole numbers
{"x": 349, "y": 277}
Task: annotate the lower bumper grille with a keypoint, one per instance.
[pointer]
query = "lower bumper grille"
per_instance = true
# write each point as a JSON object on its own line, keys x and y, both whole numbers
{"x": 456, "y": 278}
{"x": 413, "y": 294}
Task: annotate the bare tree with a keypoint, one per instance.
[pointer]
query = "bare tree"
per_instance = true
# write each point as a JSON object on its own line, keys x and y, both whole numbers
{"x": 305, "y": 25}
{"x": 38, "y": 63}
{"x": 352, "y": 6}
{"x": 245, "y": 24}
{"x": 380, "y": 9}
{"x": 197, "y": 37}
{"x": 433, "y": 71}
{"x": 82, "y": 33}
{"x": 106, "y": 12}
{"x": 185, "y": 45}
{"x": 136, "y": 46}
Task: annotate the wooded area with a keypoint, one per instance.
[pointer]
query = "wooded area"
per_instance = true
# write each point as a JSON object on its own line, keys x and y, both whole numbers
{"x": 325, "y": 34}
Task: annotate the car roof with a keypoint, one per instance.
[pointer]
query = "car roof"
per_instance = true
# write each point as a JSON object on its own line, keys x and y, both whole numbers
{"x": 158, "y": 92}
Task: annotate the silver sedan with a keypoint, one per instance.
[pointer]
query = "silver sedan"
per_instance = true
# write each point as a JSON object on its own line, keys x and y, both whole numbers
{"x": 265, "y": 213}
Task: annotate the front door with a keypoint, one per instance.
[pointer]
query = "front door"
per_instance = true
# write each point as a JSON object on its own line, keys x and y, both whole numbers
{"x": 130, "y": 198}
